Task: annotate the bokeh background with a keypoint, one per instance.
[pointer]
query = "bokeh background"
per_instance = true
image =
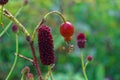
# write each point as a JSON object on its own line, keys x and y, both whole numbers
{"x": 98, "y": 19}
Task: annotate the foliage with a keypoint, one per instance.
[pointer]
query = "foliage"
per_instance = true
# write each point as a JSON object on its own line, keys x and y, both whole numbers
{"x": 99, "y": 19}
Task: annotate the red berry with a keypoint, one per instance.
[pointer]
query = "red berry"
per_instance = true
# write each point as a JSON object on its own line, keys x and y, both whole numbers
{"x": 89, "y": 58}
{"x": 45, "y": 44}
{"x": 2, "y": 2}
{"x": 67, "y": 30}
{"x": 81, "y": 40}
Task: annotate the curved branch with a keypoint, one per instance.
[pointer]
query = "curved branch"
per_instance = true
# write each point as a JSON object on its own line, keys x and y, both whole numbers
{"x": 44, "y": 20}
{"x": 6, "y": 28}
{"x": 7, "y": 14}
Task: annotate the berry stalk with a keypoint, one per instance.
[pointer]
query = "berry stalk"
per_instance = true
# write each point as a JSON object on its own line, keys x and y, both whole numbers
{"x": 56, "y": 12}
{"x": 49, "y": 73}
{"x": 36, "y": 29}
{"x": 83, "y": 66}
{"x": 44, "y": 19}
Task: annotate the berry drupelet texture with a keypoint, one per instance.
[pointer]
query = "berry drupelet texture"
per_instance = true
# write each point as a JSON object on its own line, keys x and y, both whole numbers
{"x": 67, "y": 30}
{"x": 45, "y": 44}
{"x": 81, "y": 40}
{"x": 3, "y": 2}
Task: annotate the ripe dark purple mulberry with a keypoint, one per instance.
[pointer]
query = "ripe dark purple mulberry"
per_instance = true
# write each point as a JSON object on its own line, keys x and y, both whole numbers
{"x": 81, "y": 40}
{"x": 2, "y": 2}
{"x": 45, "y": 44}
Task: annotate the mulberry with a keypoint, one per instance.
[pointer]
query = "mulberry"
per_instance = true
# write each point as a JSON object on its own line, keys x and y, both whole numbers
{"x": 45, "y": 45}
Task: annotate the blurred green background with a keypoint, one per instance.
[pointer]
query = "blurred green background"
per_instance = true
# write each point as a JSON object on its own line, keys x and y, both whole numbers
{"x": 98, "y": 19}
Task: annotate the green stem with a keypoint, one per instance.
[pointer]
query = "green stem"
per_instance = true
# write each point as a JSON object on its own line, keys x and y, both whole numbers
{"x": 51, "y": 76}
{"x": 83, "y": 66}
{"x": 49, "y": 73}
{"x": 1, "y": 15}
{"x": 86, "y": 64}
{"x": 23, "y": 77}
{"x": 15, "y": 61}
{"x": 43, "y": 20}
{"x": 12, "y": 18}
{"x": 36, "y": 29}
{"x": 9, "y": 24}
{"x": 56, "y": 12}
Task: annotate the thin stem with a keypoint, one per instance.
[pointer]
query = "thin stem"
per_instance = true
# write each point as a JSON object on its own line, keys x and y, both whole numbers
{"x": 49, "y": 73}
{"x": 43, "y": 20}
{"x": 1, "y": 15}
{"x": 6, "y": 28}
{"x": 56, "y": 12}
{"x": 51, "y": 76}
{"x": 83, "y": 66}
{"x": 23, "y": 77}
{"x": 15, "y": 61}
{"x": 36, "y": 29}
{"x": 26, "y": 58}
{"x": 35, "y": 60}
{"x": 86, "y": 64}
{"x": 12, "y": 18}
{"x": 23, "y": 29}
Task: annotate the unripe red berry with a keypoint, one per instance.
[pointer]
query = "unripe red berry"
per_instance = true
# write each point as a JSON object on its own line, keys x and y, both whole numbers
{"x": 89, "y": 58}
{"x": 67, "y": 30}
{"x": 81, "y": 40}
{"x": 45, "y": 44}
{"x": 3, "y": 2}
{"x": 15, "y": 28}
